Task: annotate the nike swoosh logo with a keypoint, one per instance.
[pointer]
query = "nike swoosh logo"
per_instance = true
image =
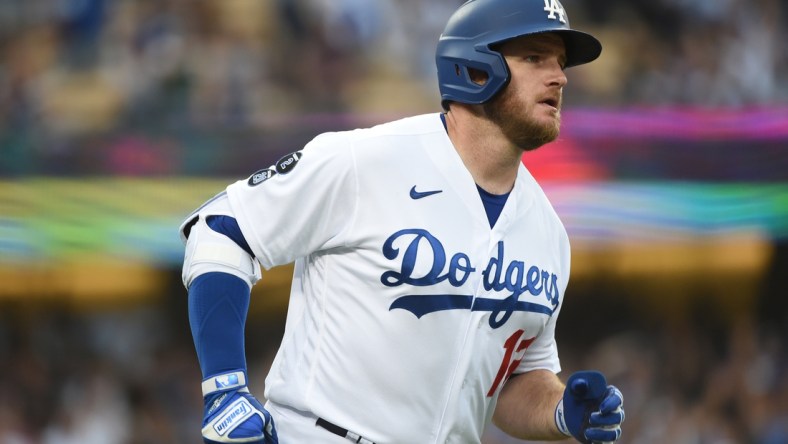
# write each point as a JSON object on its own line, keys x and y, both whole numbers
{"x": 418, "y": 195}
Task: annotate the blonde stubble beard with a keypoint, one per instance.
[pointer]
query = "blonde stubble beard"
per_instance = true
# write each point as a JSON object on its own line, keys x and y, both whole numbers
{"x": 522, "y": 130}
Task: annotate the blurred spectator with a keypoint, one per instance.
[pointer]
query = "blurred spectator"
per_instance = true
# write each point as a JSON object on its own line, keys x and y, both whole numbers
{"x": 128, "y": 376}
{"x": 71, "y": 69}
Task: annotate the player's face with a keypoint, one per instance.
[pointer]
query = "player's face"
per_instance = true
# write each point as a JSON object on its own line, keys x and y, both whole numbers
{"x": 528, "y": 109}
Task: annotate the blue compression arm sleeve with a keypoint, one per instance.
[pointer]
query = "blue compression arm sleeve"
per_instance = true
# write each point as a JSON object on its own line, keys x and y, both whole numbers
{"x": 218, "y": 305}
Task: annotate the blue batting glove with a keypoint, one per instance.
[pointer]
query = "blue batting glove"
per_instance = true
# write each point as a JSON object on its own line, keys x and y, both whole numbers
{"x": 232, "y": 414}
{"x": 591, "y": 411}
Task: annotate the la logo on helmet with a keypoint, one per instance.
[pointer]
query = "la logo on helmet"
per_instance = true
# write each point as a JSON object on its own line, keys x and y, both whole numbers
{"x": 553, "y": 7}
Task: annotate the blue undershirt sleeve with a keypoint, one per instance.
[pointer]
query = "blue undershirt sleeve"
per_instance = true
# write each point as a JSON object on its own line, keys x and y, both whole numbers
{"x": 218, "y": 306}
{"x": 229, "y": 227}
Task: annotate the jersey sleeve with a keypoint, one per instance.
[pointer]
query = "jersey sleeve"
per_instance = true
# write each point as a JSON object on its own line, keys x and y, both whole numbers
{"x": 302, "y": 204}
{"x": 543, "y": 352}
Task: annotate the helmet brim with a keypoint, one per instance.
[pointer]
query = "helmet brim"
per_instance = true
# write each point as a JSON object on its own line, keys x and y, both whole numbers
{"x": 581, "y": 47}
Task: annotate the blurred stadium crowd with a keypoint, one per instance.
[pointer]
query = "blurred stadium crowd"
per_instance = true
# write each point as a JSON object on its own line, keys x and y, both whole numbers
{"x": 130, "y": 376}
{"x": 80, "y": 80}
{"x": 74, "y": 72}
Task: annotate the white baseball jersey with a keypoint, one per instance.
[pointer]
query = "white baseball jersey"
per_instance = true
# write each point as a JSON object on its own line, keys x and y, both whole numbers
{"x": 408, "y": 312}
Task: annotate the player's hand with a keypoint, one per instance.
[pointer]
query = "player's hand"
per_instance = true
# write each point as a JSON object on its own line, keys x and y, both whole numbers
{"x": 235, "y": 416}
{"x": 591, "y": 411}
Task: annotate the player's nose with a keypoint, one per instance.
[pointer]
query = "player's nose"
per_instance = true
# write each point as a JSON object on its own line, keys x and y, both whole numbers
{"x": 556, "y": 74}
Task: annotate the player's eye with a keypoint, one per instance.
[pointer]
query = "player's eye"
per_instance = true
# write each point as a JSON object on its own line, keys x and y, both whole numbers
{"x": 537, "y": 58}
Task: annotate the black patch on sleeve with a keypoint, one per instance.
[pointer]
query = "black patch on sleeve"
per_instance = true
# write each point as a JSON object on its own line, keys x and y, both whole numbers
{"x": 287, "y": 163}
{"x": 260, "y": 176}
{"x": 282, "y": 166}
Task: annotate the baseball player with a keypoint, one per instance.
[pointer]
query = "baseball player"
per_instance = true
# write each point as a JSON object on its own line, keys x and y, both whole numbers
{"x": 430, "y": 268}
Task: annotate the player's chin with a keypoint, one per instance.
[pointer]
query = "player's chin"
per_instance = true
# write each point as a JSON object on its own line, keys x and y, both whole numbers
{"x": 553, "y": 124}
{"x": 550, "y": 128}
{"x": 549, "y": 125}
{"x": 537, "y": 135}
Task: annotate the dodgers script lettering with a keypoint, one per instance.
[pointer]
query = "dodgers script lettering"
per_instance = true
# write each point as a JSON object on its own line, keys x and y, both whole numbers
{"x": 514, "y": 279}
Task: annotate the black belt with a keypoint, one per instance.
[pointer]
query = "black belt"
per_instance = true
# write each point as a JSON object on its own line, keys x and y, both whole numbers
{"x": 345, "y": 433}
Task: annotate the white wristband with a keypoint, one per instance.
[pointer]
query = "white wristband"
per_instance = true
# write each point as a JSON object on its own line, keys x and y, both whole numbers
{"x": 223, "y": 382}
{"x": 560, "y": 422}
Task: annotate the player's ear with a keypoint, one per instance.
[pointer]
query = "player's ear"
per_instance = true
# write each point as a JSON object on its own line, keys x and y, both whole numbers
{"x": 478, "y": 76}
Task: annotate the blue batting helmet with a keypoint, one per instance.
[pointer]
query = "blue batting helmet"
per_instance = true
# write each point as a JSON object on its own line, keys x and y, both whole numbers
{"x": 479, "y": 24}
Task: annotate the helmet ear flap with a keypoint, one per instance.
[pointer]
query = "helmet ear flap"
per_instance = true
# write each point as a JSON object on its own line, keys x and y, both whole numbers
{"x": 456, "y": 78}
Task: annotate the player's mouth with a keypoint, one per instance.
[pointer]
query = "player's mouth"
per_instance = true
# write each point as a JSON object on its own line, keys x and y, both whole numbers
{"x": 552, "y": 101}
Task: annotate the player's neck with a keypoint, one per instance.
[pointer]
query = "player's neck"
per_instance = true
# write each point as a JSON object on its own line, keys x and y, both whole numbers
{"x": 490, "y": 158}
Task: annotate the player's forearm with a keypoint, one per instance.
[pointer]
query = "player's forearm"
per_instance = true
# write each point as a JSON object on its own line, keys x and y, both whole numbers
{"x": 526, "y": 406}
{"x": 218, "y": 304}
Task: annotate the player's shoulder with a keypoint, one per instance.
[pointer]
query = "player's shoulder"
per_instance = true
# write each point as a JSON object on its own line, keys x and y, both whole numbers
{"x": 387, "y": 140}
{"x": 412, "y": 126}
{"x": 406, "y": 126}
